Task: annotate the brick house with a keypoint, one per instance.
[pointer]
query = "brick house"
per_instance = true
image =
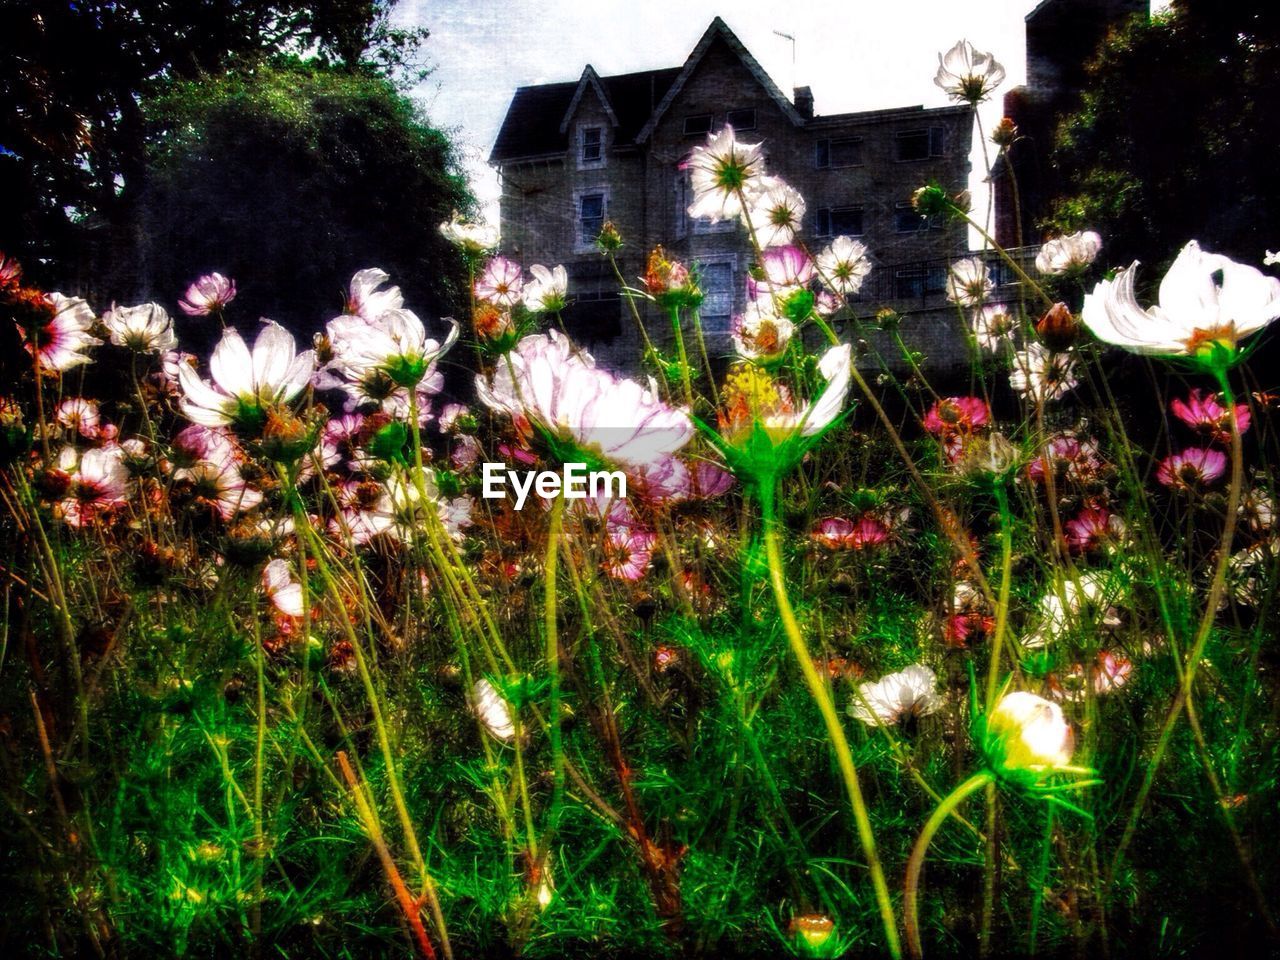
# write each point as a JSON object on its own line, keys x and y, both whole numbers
{"x": 571, "y": 155}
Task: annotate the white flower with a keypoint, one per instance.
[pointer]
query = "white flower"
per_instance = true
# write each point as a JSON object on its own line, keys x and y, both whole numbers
{"x": 1041, "y": 374}
{"x": 546, "y": 294}
{"x": 146, "y": 328}
{"x": 993, "y": 326}
{"x": 546, "y": 380}
{"x": 1066, "y": 254}
{"x": 493, "y": 712}
{"x": 1092, "y": 595}
{"x": 721, "y": 173}
{"x": 368, "y": 298}
{"x": 968, "y": 74}
{"x": 836, "y": 367}
{"x": 909, "y": 693}
{"x": 1195, "y": 312}
{"x": 844, "y": 265}
{"x": 1029, "y": 733}
{"x": 775, "y": 213}
{"x": 472, "y": 237}
{"x": 244, "y": 383}
{"x": 282, "y": 589}
{"x": 80, "y": 415}
{"x": 968, "y": 282}
{"x": 760, "y": 333}
{"x": 99, "y": 483}
{"x": 395, "y": 344}
{"x": 1271, "y": 259}
{"x": 59, "y": 345}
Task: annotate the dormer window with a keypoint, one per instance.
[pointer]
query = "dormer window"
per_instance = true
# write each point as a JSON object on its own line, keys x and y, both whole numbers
{"x": 741, "y": 119}
{"x": 592, "y": 145}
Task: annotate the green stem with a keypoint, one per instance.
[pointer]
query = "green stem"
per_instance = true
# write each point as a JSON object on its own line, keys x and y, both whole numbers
{"x": 551, "y": 631}
{"x": 911, "y": 889}
{"x": 831, "y": 719}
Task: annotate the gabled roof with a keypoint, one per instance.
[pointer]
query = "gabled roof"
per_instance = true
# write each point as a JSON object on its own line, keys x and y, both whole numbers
{"x": 720, "y": 30}
{"x": 529, "y": 131}
{"x": 589, "y": 79}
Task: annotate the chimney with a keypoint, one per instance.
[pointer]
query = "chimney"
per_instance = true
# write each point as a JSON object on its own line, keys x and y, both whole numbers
{"x": 802, "y": 97}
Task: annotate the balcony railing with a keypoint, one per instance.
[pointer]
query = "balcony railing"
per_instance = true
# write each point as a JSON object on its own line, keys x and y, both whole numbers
{"x": 922, "y": 284}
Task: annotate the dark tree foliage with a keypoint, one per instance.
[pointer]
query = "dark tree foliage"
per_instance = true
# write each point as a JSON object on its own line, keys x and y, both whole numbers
{"x": 73, "y": 78}
{"x": 290, "y": 178}
{"x": 1176, "y": 138}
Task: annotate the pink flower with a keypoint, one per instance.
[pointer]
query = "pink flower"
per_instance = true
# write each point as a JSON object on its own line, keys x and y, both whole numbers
{"x": 1207, "y": 414}
{"x": 1111, "y": 671}
{"x": 1194, "y": 467}
{"x": 833, "y": 532}
{"x": 500, "y": 283}
{"x": 1070, "y": 458}
{"x": 208, "y": 295}
{"x": 628, "y": 552}
{"x": 957, "y": 415}
{"x": 1093, "y": 527}
{"x": 785, "y": 269}
{"x": 80, "y": 415}
{"x": 99, "y": 484}
{"x": 838, "y": 533}
{"x": 282, "y": 589}
{"x": 60, "y": 343}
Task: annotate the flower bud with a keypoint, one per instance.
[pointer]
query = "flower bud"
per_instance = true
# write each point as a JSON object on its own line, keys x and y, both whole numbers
{"x": 1058, "y": 328}
{"x": 609, "y": 239}
{"x": 1026, "y": 737}
{"x": 1004, "y": 132}
{"x": 813, "y": 931}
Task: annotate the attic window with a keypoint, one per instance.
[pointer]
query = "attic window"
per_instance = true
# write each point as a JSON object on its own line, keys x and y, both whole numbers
{"x": 592, "y": 144}
{"x": 697, "y": 124}
{"x": 742, "y": 119}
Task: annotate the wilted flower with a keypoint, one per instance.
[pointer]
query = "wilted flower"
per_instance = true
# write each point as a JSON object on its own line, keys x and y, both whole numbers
{"x": 500, "y": 283}
{"x": 1070, "y": 458}
{"x": 1041, "y": 374}
{"x": 670, "y": 282}
{"x": 908, "y": 694}
{"x": 1004, "y": 133}
{"x": 58, "y": 339}
{"x": 473, "y": 238}
{"x": 1026, "y": 736}
{"x": 245, "y": 385}
{"x": 1257, "y": 511}
{"x": 721, "y": 173}
{"x": 547, "y": 292}
{"x": 992, "y": 455}
{"x": 1191, "y": 469}
{"x": 284, "y": 592}
{"x": 969, "y": 282}
{"x": 145, "y": 329}
{"x": 844, "y": 265}
{"x": 209, "y": 294}
{"x": 492, "y": 710}
{"x": 1197, "y": 315}
{"x": 967, "y": 74}
{"x": 760, "y": 334}
{"x": 1069, "y": 254}
{"x": 10, "y": 271}
{"x": 775, "y": 213}
{"x": 1207, "y": 414}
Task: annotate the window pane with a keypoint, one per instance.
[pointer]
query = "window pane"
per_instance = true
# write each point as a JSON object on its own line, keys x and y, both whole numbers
{"x": 742, "y": 119}
{"x": 847, "y": 222}
{"x": 591, "y": 143}
{"x": 913, "y": 145}
{"x": 906, "y": 220}
{"x": 717, "y": 296}
{"x": 698, "y": 124}
{"x": 590, "y": 216}
{"x": 822, "y": 153}
{"x": 846, "y": 153}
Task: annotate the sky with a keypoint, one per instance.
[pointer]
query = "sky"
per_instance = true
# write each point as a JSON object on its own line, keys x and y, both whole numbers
{"x": 856, "y": 54}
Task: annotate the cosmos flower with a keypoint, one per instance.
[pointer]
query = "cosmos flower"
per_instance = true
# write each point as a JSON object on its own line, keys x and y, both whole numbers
{"x": 500, "y": 283}
{"x": 1093, "y": 527}
{"x": 1192, "y": 468}
{"x": 1257, "y": 510}
{"x": 840, "y": 533}
{"x": 369, "y": 298}
{"x": 1027, "y": 733}
{"x": 1198, "y": 315}
{"x": 844, "y": 265}
{"x": 899, "y": 696}
{"x": 209, "y": 294}
{"x": 969, "y": 282}
{"x": 80, "y": 415}
{"x": 492, "y": 710}
{"x": 776, "y": 212}
{"x": 993, "y": 326}
{"x": 395, "y": 345}
{"x": 546, "y": 294}
{"x": 144, "y": 329}
{"x": 99, "y": 484}
{"x": 784, "y": 270}
{"x": 628, "y": 551}
{"x": 10, "y": 271}
{"x": 1090, "y": 598}
{"x": 220, "y": 484}
{"x": 774, "y": 411}
{"x": 722, "y": 172}
{"x": 966, "y": 74}
{"x": 1041, "y": 374}
{"x": 1068, "y": 254}
{"x": 473, "y": 238}
{"x": 760, "y": 334}
{"x": 284, "y": 592}
{"x": 957, "y": 415}
{"x": 547, "y": 382}
{"x": 58, "y": 344}
{"x": 1070, "y": 458}
{"x": 246, "y": 385}
{"x": 1207, "y": 414}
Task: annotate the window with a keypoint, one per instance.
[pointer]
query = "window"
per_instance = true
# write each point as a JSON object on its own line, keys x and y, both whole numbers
{"x": 921, "y": 144}
{"x": 839, "y": 221}
{"x": 717, "y": 296}
{"x": 906, "y": 220}
{"x": 590, "y": 217}
{"x": 744, "y": 119}
{"x": 838, "y": 153}
{"x": 909, "y": 284}
{"x": 592, "y": 145}
{"x": 697, "y": 124}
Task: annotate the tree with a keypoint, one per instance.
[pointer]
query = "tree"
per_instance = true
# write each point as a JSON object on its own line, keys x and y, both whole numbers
{"x": 73, "y": 78}
{"x": 1176, "y": 136}
{"x": 290, "y": 178}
